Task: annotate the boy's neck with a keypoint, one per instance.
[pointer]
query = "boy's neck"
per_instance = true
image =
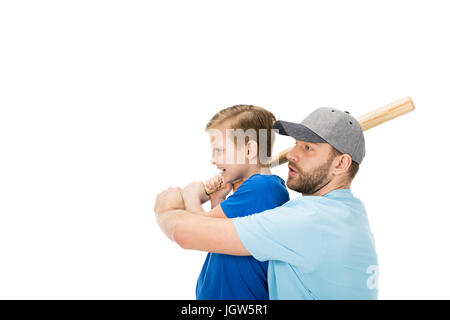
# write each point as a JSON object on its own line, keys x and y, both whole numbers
{"x": 256, "y": 169}
{"x": 253, "y": 170}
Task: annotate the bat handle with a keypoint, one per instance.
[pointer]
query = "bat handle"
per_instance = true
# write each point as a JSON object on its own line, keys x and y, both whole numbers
{"x": 209, "y": 191}
{"x": 280, "y": 158}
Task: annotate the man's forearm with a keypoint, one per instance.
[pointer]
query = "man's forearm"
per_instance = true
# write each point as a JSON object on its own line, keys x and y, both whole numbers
{"x": 167, "y": 221}
{"x": 193, "y": 231}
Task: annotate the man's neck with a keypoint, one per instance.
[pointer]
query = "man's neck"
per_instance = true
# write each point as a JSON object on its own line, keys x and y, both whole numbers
{"x": 332, "y": 185}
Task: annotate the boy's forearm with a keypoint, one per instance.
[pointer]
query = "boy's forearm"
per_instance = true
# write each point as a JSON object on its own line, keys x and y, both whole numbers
{"x": 215, "y": 202}
{"x": 193, "y": 201}
{"x": 193, "y": 196}
{"x": 193, "y": 206}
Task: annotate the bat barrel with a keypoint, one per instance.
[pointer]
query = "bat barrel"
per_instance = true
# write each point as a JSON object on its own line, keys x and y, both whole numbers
{"x": 386, "y": 113}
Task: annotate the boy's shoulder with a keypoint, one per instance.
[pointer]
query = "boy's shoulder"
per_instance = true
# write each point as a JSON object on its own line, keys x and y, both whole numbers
{"x": 257, "y": 194}
{"x": 264, "y": 181}
{"x": 260, "y": 185}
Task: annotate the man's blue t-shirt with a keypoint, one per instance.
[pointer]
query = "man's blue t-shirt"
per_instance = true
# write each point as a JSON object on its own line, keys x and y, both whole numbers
{"x": 318, "y": 247}
{"x": 225, "y": 277}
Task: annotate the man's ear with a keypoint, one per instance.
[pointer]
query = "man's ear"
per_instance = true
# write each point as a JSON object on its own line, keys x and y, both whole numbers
{"x": 252, "y": 152}
{"x": 342, "y": 164}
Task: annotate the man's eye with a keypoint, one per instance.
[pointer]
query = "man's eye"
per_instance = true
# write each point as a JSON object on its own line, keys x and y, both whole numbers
{"x": 308, "y": 148}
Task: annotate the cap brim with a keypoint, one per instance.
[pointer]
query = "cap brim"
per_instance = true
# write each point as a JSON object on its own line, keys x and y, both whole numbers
{"x": 297, "y": 131}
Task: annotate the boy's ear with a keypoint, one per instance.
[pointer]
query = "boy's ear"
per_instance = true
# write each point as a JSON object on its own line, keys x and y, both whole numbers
{"x": 252, "y": 152}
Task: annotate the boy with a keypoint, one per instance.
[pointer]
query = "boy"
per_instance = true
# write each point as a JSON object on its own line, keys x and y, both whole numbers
{"x": 241, "y": 152}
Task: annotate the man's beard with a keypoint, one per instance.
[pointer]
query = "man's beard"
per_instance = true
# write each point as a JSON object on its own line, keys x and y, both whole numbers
{"x": 310, "y": 182}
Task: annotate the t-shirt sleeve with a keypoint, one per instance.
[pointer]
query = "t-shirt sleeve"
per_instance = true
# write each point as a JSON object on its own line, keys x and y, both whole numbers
{"x": 245, "y": 200}
{"x": 236, "y": 205}
{"x": 287, "y": 234}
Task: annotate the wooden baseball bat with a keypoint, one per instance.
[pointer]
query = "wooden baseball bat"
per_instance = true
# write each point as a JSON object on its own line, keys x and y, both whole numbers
{"x": 367, "y": 121}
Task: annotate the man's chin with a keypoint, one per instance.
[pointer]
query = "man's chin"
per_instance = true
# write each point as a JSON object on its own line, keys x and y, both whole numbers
{"x": 292, "y": 183}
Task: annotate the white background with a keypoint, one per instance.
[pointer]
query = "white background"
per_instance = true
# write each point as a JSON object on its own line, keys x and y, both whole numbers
{"x": 103, "y": 105}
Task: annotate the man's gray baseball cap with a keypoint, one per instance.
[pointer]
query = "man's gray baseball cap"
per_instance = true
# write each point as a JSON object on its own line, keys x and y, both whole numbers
{"x": 328, "y": 125}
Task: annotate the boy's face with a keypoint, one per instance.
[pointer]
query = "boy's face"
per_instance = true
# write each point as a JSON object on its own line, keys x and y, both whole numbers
{"x": 226, "y": 156}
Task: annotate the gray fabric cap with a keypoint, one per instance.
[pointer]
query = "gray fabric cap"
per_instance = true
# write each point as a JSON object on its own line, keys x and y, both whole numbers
{"x": 328, "y": 125}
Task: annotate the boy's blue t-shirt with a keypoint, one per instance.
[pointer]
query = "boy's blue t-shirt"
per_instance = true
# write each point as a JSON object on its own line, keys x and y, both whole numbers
{"x": 225, "y": 277}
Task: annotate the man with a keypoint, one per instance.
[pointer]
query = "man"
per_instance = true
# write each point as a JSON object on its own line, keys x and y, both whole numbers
{"x": 319, "y": 246}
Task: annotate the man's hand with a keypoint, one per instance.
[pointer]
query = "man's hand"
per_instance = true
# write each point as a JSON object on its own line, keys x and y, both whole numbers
{"x": 216, "y": 183}
{"x": 171, "y": 199}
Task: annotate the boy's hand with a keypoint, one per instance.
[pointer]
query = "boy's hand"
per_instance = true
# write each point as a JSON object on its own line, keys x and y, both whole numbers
{"x": 195, "y": 193}
{"x": 171, "y": 199}
{"x": 219, "y": 190}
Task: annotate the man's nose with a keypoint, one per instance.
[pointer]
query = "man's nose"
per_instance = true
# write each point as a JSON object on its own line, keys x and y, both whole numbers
{"x": 290, "y": 156}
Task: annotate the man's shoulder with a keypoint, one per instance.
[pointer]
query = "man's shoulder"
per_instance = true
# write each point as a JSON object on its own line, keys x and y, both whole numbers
{"x": 338, "y": 206}
{"x": 295, "y": 209}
